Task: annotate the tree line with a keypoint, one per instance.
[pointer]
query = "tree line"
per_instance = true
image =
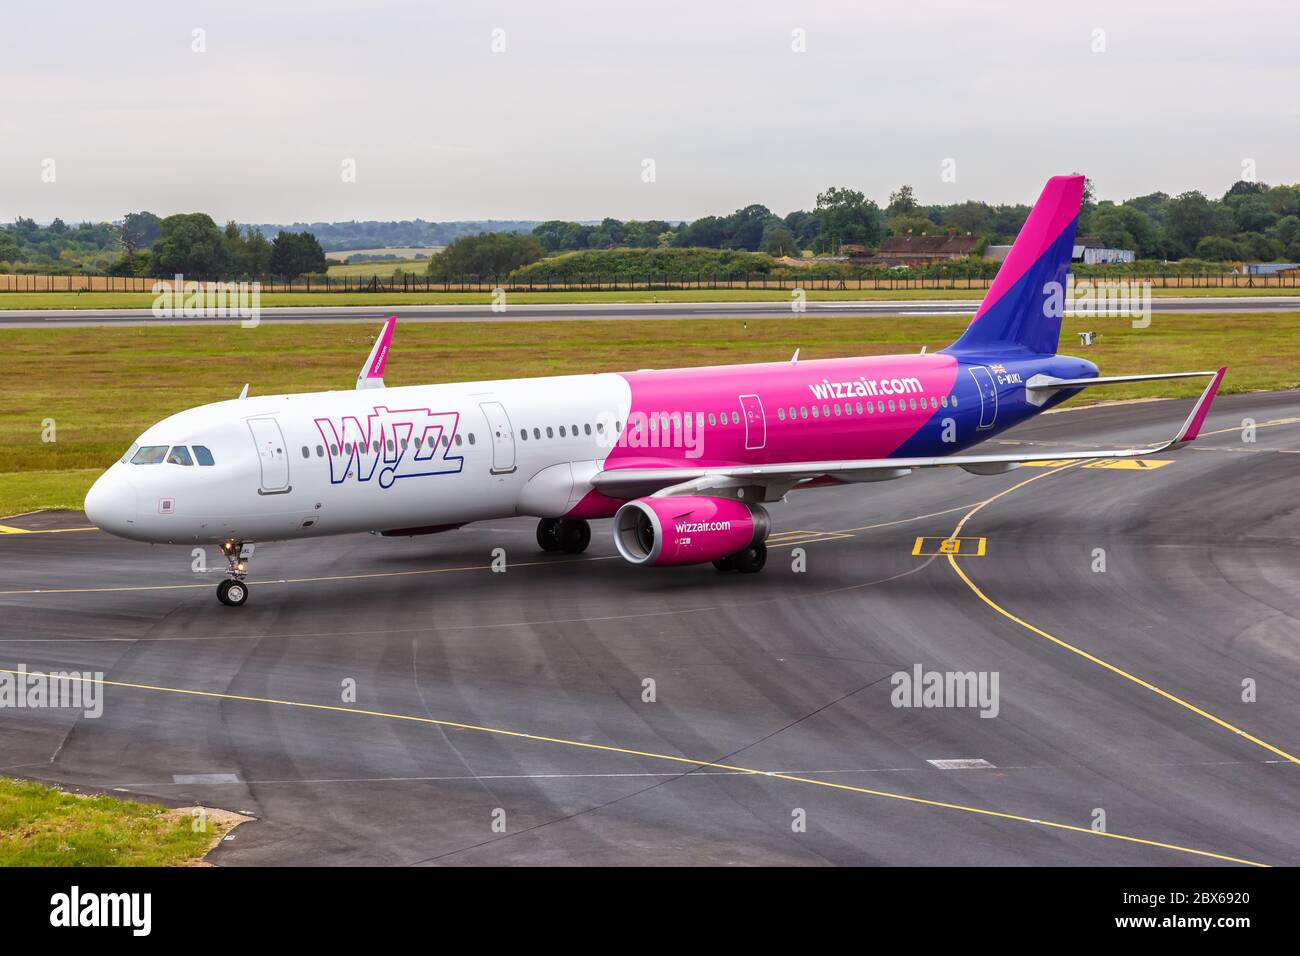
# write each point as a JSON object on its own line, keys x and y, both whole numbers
{"x": 1251, "y": 221}
{"x": 192, "y": 245}
{"x": 144, "y": 244}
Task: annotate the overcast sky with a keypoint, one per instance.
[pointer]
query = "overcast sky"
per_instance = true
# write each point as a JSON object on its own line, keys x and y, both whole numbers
{"x": 259, "y": 125}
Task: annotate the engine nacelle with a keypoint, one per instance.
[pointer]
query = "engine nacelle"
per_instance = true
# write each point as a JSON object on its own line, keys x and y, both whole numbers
{"x": 690, "y": 529}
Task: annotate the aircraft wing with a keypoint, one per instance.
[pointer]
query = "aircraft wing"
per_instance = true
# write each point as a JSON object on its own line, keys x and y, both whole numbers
{"x": 779, "y": 478}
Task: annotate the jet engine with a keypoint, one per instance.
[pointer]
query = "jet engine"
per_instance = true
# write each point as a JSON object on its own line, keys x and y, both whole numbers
{"x": 689, "y": 529}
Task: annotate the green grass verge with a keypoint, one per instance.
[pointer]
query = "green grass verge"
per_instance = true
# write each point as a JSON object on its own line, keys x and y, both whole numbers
{"x": 42, "y": 826}
{"x": 24, "y": 491}
{"x": 103, "y": 386}
{"x": 144, "y": 300}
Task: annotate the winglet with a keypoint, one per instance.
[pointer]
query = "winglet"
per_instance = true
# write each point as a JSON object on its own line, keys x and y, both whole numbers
{"x": 372, "y": 373}
{"x": 1192, "y": 427}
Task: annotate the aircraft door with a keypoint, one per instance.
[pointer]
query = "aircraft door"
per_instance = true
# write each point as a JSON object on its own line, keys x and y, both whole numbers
{"x": 271, "y": 455}
{"x": 988, "y": 395}
{"x": 502, "y": 435}
{"x": 751, "y": 407}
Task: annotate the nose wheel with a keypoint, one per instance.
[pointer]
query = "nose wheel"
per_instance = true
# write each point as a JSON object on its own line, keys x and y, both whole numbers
{"x": 233, "y": 591}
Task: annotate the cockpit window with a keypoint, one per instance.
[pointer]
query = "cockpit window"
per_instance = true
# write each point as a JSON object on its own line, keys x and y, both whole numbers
{"x": 130, "y": 453}
{"x": 149, "y": 455}
{"x": 203, "y": 455}
{"x": 180, "y": 455}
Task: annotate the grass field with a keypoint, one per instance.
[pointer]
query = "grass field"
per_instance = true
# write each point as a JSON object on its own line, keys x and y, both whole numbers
{"x": 103, "y": 386}
{"x": 402, "y": 252}
{"x": 381, "y": 269}
{"x": 42, "y": 826}
{"x": 144, "y": 300}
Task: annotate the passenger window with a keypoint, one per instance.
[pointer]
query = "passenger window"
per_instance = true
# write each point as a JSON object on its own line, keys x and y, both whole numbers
{"x": 839, "y": 410}
{"x": 334, "y": 449}
{"x": 374, "y": 446}
{"x": 587, "y": 429}
{"x": 944, "y": 401}
{"x": 550, "y": 432}
{"x": 735, "y": 418}
{"x": 954, "y": 401}
{"x": 803, "y": 412}
{"x": 471, "y": 438}
{"x": 149, "y": 455}
{"x": 815, "y": 413}
{"x": 891, "y": 405}
{"x": 574, "y": 431}
{"x": 523, "y": 433}
{"x": 826, "y": 411}
{"x": 600, "y": 427}
{"x": 445, "y": 441}
{"x": 457, "y": 439}
{"x": 780, "y": 413}
{"x": 306, "y": 452}
{"x": 561, "y": 431}
{"x": 180, "y": 456}
{"x": 390, "y": 446}
{"x": 713, "y": 419}
{"x": 537, "y": 433}
{"x": 860, "y": 408}
{"x": 320, "y": 451}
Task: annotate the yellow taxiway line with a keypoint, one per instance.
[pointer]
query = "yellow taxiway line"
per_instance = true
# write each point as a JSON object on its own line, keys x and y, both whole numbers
{"x": 952, "y": 560}
{"x": 651, "y": 755}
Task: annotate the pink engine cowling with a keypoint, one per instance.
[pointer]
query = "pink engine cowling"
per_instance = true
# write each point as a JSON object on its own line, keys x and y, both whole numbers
{"x": 686, "y": 530}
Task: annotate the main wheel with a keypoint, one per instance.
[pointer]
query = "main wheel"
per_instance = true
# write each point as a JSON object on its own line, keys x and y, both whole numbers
{"x": 548, "y": 534}
{"x": 726, "y": 564}
{"x": 574, "y": 536}
{"x": 232, "y": 593}
{"x": 752, "y": 559}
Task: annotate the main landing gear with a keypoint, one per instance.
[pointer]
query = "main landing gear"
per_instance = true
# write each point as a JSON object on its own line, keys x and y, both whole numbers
{"x": 233, "y": 591}
{"x": 748, "y": 561}
{"x": 570, "y": 535}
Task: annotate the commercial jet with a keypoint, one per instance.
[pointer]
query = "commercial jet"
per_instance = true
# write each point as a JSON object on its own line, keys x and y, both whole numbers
{"x": 685, "y": 461}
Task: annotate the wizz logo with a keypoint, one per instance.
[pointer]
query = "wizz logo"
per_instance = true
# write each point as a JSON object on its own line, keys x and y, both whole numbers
{"x": 401, "y": 443}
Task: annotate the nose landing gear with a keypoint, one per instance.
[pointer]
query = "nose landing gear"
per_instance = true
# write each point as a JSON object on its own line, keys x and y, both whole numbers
{"x": 233, "y": 591}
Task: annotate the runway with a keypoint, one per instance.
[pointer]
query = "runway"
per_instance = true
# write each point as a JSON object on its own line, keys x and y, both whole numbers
{"x": 577, "y": 710}
{"x": 46, "y": 318}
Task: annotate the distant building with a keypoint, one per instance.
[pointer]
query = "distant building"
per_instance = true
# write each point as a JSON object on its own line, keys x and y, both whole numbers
{"x": 919, "y": 250}
{"x": 996, "y": 253}
{"x": 1091, "y": 251}
{"x": 1270, "y": 268}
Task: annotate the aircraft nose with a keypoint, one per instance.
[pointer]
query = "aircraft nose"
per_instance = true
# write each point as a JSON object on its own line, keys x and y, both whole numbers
{"x": 110, "y": 503}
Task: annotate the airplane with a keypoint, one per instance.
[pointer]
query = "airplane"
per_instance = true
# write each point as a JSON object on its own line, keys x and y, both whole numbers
{"x": 684, "y": 461}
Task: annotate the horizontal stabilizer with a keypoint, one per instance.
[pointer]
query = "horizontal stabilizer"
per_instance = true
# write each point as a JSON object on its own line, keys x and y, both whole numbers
{"x": 1040, "y": 387}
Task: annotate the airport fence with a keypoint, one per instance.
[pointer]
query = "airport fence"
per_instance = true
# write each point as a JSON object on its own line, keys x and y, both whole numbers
{"x": 411, "y": 283}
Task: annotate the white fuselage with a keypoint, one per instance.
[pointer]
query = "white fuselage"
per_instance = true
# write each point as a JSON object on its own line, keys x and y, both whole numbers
{"x": 291, "y": 466}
